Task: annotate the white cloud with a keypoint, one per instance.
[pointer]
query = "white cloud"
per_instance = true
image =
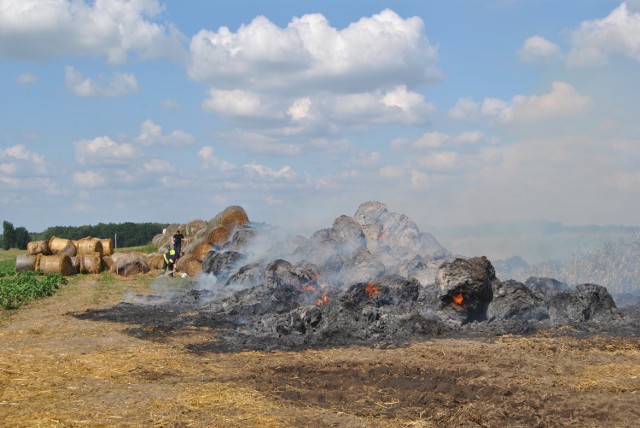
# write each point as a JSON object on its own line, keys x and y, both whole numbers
{"x": 286, "y": 172}
{"x": 539, "y": 49}
{"x": 309, "y": 53}
{"x": 36, "y": 29}
{"x": 20, "y": 161}
{"x": 236, "y": 103}
{"x": 430, "y": 140}
{"x": 445, "y": 160}
{"x": 465, "y": 108}
{"x": 562, "y": 101}
{"x": 155, "y": 166}
{"x": 419, "y": 180}
{"x": 89, "y": 179}
{"x": 209, "y": 160}
{"x": 596, "y": 41}
{"x": 119, "y": 84}
{"x": 103, "y": 150}
{"x": 391, "y": 171}
{"x": 27, "y": 78}
{"x": 151, "y": 134}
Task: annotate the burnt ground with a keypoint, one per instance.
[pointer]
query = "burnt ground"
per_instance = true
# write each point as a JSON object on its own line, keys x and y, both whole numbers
{"x": 97, "y": 355}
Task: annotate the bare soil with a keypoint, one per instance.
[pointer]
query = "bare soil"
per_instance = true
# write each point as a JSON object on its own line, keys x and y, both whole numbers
{"x": 58, "y": 368}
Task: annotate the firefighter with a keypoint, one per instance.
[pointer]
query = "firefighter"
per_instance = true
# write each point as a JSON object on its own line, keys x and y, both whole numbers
{"x": 170, "y": 258}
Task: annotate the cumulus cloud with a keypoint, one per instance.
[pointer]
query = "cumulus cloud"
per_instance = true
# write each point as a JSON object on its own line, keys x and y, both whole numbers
{"x": 262, "y": 171}
{"x": 237, "y": 102}
{"x": 308, "y": 52}
{"x": 432, "y": 140}
{"x": 35, "y": 29}
{"x": 18, "y": 160}
{"x": 156, "y": 166}
{"x": 105, "y": 151}
{"x": 539, "y": 49}
{"x": 618, "y": 34}
{"x": 211, "y": 161}
{"x": 562, "y": 101}
{"x": 151, "y": 134}
{"x": 117, "y": 85}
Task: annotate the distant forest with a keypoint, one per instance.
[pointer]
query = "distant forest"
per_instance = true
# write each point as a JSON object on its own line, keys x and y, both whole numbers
{"x": 124, "y": 234}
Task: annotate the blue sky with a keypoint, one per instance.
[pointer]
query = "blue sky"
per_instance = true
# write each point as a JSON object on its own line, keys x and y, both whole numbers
{"x": 456, "y": 113}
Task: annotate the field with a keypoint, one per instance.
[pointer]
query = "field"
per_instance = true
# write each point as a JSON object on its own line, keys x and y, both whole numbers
{"x": 58, "y": 368}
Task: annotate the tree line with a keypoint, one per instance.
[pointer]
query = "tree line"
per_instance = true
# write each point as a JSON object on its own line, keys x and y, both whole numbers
{"x": 124, "y": 234}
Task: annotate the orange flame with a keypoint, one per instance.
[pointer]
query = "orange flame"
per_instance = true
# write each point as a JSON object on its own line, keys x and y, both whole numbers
{"x": 308, "y": 287}
{"x": 457, "y": 299}
{"x": 324, "y": 300}
{"x": 382, "y": 235}
{"x": 371, "y": 289}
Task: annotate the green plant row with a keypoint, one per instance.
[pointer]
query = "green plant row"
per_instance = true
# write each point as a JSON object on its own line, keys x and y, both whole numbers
{"x": 16, "y": 289}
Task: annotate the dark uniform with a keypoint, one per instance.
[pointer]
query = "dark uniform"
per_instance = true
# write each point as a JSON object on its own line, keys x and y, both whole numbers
{"x": 170, "y": 258}
{"x": 177, "y": 243}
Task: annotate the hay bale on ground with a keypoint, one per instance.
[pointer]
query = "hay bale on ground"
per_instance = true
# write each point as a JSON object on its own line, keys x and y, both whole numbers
{"x": 189, "y": 264}
{"x": 38, "y": 247}
{"x": 107, "y": 246}
{"x": 90, "y": 263}
{"x": 108, "y": 262}
{"x": 127, "y": 264}
{"x": 56, "y": 245}
{"x": 155, "y": 260}
{"x": 70, "y": 250}
{"x": 200, "y": 250}
{"x": 89, "y": 246}
{"x": 26, "y": 262}
{"x": 57, "y": 263}
{"x": 193, "y": 226}
{"x": 75, "y": 262}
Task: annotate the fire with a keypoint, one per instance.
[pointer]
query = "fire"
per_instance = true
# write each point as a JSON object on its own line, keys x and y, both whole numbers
{"x": 308, "y": 287}
{"x": 457, "y": 299}
{"x": 324, "y": 300}
{"x": 371, "y": 289}
{"x": 382, "y": 235}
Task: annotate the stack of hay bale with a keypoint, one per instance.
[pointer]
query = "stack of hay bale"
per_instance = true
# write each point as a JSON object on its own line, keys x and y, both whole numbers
{"x": 66, "y": 256}
{"x": 201, "y": 237}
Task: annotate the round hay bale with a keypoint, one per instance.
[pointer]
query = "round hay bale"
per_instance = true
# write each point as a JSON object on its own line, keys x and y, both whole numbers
{"x": 70, "y": 250}
{"x": 127, "y": 264}
{"x": 193, "y": 227}
{"x": 38, "y": 247}
{"x": 75, "y": 262}
{"x": 192, "y": 267}
{"x": 56, "y": 244}
{"x": 57, "y": 263}
{"x": 233, "y": 217}
{"x": 160, "y": 240}
{"x": 155, "y": 260}
{"x": 107, "y": 246}
{"x": 89, "y": 246}
{"x": 25, "y": 262}
{"x": 90, "y": 263}
{"x": 201, "y": 250}
{"x": 108, "y": 262}
{"x": 218, "y": 236}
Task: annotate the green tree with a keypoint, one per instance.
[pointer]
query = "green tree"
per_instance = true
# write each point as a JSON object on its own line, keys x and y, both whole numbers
{"x": 22, "y": 238}
{"x": 9, "y": 235}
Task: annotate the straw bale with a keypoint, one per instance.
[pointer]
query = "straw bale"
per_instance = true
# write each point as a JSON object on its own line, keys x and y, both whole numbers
{"x": 25, "y": 262}
{"x": 107, "y": 246}
{"x": 89, "y": 245}
{"x": 38, "y": 247}
{"x": 160, "y": 240}
{"x": 232, "y": 217}
{"x": 57, "y": 263}
{"x": 90, "y": 263}
{"x": 155, "y": 260}
{"x": 56, "y": 244}
{"x": 200, "y": 250}
{"x": 127, "y": 264}
{"x": 193, "y": 226}
{"x": 75, "y": 262}
{"x": 218, "y": 236}
{"x": 189, "y": 264}
{"x": 70, "y": 250}
{"x": 108, "y": 262}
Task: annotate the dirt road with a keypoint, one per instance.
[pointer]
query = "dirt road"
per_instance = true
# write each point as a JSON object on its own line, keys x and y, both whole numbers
{"x": 60, "y": 369}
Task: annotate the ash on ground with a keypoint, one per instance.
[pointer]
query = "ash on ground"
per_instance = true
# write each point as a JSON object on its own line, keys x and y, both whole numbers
{"x": 371, "y": 279}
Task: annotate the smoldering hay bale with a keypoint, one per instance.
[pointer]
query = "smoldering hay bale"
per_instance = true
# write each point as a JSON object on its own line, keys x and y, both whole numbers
{"x": 38, "y": 247}
{"x": 26, "y": 262}
{"x": 218, "y": 236}
{"x": 90, "y": 263}
{"x": 200, "y": 250}
{"x": 190, "y": 265}
{"x": 107, "y": 246}
{"x": 89, "y": 245}
{"x": 56, "y": 263}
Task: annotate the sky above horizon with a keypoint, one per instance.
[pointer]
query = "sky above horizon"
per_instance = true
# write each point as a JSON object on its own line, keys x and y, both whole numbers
{"x": 461, "y": 112}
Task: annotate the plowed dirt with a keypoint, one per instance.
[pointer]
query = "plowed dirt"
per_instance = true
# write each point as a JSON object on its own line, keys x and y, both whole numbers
{"x": 58, "y": 368}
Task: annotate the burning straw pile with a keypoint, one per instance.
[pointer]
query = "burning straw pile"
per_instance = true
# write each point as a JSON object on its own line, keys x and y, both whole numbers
{"x": 370, "y": 277}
